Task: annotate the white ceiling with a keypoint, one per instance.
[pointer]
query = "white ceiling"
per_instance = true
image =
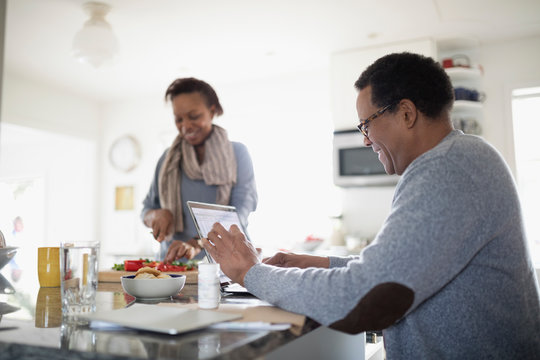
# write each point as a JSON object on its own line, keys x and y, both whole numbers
{"x": 236, "y": 40}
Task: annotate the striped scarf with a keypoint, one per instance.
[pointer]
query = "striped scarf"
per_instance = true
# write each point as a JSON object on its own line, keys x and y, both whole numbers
{"x": 218, "y": 168}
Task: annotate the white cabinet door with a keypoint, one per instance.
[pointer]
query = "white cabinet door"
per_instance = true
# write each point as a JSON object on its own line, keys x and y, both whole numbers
{"x": 346, "y": 67}
{"x": 323, "y": 343}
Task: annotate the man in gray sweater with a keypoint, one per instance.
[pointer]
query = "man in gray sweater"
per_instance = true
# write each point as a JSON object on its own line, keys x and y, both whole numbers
{"x": 449, "y": 275}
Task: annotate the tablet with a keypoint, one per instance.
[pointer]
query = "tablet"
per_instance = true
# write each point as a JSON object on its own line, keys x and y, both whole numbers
{"x": 205, "y": 216}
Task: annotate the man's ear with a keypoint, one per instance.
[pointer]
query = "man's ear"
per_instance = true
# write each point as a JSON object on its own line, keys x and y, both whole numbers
{"x": 409, "y": 112}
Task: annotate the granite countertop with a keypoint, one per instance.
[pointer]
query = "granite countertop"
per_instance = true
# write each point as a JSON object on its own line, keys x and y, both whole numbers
{"x": 37, "y": 331}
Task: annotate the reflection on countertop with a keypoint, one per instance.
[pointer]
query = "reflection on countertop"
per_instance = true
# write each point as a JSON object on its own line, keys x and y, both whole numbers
{"x": 42, "y": 333}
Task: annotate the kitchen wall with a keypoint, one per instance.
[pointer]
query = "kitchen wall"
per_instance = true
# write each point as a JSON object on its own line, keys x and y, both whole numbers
{"x": 287, "y": 109}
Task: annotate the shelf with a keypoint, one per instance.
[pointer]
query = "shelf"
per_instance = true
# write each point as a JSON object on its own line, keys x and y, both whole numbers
{"x": 465, "y": 105}
{"x": 466, "y": 115}
{"x": 457, "y": 44}
{"x": 463, "y": 73}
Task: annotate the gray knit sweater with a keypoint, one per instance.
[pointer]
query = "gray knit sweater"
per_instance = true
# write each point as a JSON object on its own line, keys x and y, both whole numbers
{"x": 455, "y": 237}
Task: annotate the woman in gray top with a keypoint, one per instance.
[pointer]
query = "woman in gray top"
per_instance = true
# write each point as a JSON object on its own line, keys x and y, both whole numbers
{"x": 449, "y": 275}
{"x": 201, "y": 165}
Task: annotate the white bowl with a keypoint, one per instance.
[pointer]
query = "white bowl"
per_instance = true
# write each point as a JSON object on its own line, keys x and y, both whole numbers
{"x": 7, "y": 254}
{"x": 153, "y": 288}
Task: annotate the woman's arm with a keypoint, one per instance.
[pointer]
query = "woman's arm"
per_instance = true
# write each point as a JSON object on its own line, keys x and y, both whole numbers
{"x": 151, "y": 201}
{"x": 244, "y": 194}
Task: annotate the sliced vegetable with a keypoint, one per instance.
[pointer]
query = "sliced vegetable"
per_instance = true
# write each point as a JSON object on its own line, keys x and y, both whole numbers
{"x": 169, "y": 267}
{"x": 133, "y": 265}
{"x": 118, "y": 267}
{"x": 150, "y": 263}
{"x": 175, "y": 266}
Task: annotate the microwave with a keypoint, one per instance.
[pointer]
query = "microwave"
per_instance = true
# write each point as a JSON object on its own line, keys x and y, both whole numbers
{"x": 356, "y": 164}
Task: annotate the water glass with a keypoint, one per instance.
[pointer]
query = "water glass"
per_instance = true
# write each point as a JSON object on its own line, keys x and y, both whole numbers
{"x": 79, "y": 278}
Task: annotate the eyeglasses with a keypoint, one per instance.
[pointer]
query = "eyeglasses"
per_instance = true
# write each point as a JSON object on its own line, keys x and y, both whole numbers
{"x": 364, "y": 123}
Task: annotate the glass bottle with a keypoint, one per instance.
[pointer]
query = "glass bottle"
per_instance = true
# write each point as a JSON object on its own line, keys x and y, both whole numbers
{"x": 208, "y": 291}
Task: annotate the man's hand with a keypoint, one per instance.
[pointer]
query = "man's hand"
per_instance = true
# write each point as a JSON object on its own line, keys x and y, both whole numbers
{"x": 282, "y": 259}
{"x": 231, "y": 250}
{"x": 180, "y": 249}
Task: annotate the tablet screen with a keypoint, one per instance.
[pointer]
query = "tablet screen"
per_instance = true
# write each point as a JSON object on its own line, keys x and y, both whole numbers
{"x": 205, "y": 216}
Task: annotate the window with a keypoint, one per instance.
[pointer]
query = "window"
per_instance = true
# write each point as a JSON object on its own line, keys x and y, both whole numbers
{"x": 63, "y": 169}
{"x": 526, "y": 120}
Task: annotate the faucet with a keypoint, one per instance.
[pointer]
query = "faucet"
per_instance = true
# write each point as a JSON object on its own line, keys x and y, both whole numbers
{"x": 2, "y": 240}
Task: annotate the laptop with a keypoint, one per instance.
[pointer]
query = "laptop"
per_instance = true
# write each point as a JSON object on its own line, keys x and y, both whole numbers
{"x": 205, "y": 216}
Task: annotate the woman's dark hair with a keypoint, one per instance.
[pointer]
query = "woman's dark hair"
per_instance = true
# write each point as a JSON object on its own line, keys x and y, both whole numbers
{"x": 191, "y": 85}
{"x": 408, "y": 76}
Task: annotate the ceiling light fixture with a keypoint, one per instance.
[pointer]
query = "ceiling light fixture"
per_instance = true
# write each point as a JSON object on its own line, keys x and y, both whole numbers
{"x": 95, "y": 43}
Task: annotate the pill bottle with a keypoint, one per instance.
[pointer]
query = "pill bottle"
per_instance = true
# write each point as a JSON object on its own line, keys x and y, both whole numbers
{"x": 209, "y": 292}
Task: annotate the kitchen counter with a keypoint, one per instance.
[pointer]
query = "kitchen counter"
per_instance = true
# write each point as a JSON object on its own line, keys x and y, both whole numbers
{"x": 37, "y": 331}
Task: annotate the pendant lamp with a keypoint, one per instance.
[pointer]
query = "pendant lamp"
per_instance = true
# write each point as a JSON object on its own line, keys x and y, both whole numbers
{"x": 95, "y": 43}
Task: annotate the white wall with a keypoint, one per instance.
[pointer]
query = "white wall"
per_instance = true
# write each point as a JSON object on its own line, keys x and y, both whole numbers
{"x": 29, "y": 103}
{"x": 149, "y": 120}
{"x": 286, "y": 123}
{"x": 507, "y": 65}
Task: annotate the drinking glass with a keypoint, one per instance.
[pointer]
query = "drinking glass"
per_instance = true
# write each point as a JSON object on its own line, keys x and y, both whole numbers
{"x": 79, "y": 278}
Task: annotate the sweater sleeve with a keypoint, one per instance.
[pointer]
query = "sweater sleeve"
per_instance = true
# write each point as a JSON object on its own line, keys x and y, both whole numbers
{"x": 340, "y": 261}
{"x": 244, "y": 193}
{"x": 151, "y": 201}
{"x": 428, "y": 238}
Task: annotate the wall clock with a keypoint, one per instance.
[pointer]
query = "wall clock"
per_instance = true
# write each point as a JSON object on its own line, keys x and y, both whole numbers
{"x": 125, "y": 153}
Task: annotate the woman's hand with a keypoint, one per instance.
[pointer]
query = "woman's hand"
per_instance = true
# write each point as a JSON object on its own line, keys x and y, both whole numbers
{"x": 282, "y": 259}
{"x": 180, "y": 249}
{"x": 232, "y": 251}
{"x": 161, "y": 222}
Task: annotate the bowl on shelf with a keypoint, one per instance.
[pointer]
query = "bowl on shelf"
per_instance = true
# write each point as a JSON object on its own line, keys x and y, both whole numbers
{"x": 310, "y": 243}
{"x": 153, "y": 289}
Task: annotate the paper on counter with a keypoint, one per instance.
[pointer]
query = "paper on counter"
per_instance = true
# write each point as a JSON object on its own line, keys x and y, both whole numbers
{"x": 160, "y": 319}
{"x": 251, "y": 325}
{"x": 258, "y": 313}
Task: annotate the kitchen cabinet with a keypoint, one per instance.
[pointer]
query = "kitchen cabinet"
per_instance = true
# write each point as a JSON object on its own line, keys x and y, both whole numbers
{"x": 325, "y": 343}
{"x": 375, "y": 351}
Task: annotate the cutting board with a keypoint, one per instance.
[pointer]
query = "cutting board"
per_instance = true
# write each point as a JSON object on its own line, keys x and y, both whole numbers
{"x": 115, "y": 275}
